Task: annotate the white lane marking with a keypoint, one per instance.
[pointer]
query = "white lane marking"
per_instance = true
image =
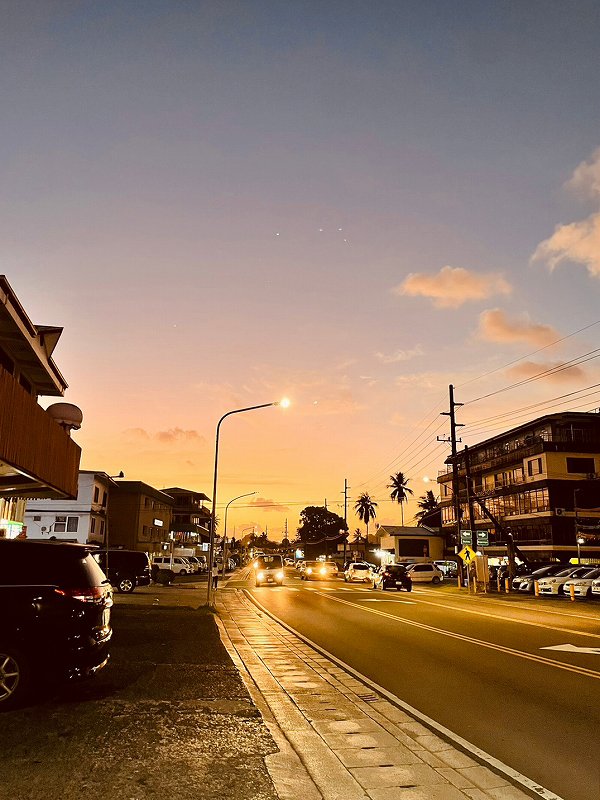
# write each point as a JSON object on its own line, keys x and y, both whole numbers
{"x": 590, "y": 673}
{"x": 517, "y": 621}
{"x": 388, "y": 600}
{"x": 572, "y": 648}
{"x": 482, "y": 755}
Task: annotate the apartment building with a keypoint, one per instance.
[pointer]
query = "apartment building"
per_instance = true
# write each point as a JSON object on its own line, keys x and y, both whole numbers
{"x": 38, "y": 458}
{"x": 139, "y": 517}
{"x": 540, "y": 481}
{"x": 191, "y": 519}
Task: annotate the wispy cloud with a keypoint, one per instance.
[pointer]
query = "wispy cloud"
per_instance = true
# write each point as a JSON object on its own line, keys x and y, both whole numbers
{"x": 453, "y": 286}
{"x": 496, "y": 326}
{"x": 399, "y": 355}
{"x": 528, "y": 369}
{"x": 170, "y": 436}
{"x": 577, "y": 242}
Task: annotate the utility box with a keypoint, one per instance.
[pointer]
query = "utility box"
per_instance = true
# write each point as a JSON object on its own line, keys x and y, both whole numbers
{"x": 482, "y": 572}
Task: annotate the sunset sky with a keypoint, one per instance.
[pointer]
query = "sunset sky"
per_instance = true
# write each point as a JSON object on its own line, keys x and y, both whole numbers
{"x": 350, "y": 204}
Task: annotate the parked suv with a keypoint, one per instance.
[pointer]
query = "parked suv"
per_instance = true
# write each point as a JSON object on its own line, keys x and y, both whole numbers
{"x": 126, "y": 568}
{"x": 54, "y": 615}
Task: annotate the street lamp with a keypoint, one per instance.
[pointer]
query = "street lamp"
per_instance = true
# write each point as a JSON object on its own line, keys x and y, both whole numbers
{"x": 248, "y": 494}
{"x": 284, "y": 404}
{"x": 578, "y": 538}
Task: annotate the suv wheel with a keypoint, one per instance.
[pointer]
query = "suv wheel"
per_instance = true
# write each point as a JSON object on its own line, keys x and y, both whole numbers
{"x": 14, "y": 677}
{"x": 126, "y": 585}
{"x": 435, "y": 579}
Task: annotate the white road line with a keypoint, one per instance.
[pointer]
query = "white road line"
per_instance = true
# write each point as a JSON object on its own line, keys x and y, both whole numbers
{"x": 590, "y": 673}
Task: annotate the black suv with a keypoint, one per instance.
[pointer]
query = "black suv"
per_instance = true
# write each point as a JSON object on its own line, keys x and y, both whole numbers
{"x": 126, "y": 569}
{"x": 392, "y": 576}
{"x": 54, "y": 615}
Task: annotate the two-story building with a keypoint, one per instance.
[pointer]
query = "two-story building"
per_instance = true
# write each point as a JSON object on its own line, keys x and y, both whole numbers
{"x": 81, "y": 520}
{"x": 540, "y": 481}
{"x": 38, "y": 458}
{"x": 191, "y": 518}
{"x": 139, "y": 517}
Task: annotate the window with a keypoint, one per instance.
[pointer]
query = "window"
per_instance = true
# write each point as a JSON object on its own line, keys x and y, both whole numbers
{"x": 37, "y": 519}
{"x": 96, "y": 494}
{"x": 104, "y": 498}
{"x": 101, "y": 527}
{"x": 534, "y": 467}
{"x": 72, "y": 524}
{"x": 583, "y": 466}
{"x": 93, "y": 525}
{"x": 66, "y": 524}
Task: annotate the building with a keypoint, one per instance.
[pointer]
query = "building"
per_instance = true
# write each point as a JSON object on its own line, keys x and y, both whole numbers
{"x": 191, "y": 520}
{"x": 539, "y": 481}
{"x": 139, "y": 517}
{"x": 81, "y": 520}
{"x": 38, "y": 458}
{"x": 411, "y": 543}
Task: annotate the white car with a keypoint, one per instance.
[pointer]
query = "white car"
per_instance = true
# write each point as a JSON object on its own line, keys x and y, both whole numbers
{"x": 357, "y": 571}
{"x": 179, "y": 564}
{"x": 425, "y": 573}
{"x": 582, "y": 587}
{"x": 554, "y": 584}
{"x": 596, "y": 588}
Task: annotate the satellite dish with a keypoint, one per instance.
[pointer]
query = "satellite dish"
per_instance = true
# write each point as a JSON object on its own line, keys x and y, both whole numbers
{"x": 67, "y": 415}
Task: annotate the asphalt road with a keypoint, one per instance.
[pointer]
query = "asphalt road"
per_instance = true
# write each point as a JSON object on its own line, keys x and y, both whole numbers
{"x": 475, "y": 664}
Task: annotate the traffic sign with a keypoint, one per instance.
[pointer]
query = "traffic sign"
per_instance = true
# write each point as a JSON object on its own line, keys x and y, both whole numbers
{"x": 483, "y": 538}
{"x": 466, "y": 537}
{"x": 467, "y": 554}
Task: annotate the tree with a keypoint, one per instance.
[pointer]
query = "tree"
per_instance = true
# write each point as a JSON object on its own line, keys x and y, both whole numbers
{"x": 365, "y": 510}
{"x": 318, "y": 524}
{"x": 400, "y": 490}
{"x": 429, "y": 506}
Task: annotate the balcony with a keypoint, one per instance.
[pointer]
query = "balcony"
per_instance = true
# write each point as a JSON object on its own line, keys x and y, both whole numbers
{"x": 37, "y": 457}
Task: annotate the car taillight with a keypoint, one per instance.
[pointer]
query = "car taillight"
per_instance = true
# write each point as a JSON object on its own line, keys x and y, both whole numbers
{"x": 88, "y": 594}
{"x": 386, "y": 574}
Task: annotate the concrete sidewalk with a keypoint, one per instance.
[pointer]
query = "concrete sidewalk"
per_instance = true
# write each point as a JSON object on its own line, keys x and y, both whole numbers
{"x": 337, "y": 738}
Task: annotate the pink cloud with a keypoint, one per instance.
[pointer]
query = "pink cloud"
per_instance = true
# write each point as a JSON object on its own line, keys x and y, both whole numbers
{"x": 453, "y": 286}
{"x": 268, "y": 505}
{"x": 528, "y": 369}
{"x": 496, "y": 326}
{"x": 578, "y": 242}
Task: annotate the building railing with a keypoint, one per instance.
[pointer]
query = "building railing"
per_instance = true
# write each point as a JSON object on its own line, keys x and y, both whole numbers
{"x": 33, "y": 443}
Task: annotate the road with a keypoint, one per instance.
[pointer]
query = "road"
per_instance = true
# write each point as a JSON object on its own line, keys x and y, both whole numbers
{"x": 475, "y": 664}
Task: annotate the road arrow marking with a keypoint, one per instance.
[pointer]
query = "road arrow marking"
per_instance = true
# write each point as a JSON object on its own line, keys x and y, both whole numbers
{"x": 572, "y": 648}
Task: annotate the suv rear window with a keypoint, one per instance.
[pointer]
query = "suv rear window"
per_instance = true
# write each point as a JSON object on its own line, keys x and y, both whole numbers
{"x": 51, "y": 565}
{"x": 359, "y": 566}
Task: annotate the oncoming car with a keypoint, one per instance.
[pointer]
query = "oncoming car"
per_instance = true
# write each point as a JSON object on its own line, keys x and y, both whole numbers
{"x": 319, "y": 570}
{"x": 268, "y": 569}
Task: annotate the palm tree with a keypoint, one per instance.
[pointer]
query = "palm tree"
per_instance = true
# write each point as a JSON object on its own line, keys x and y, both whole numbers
{"x": 365, "y": 510}
{"x": 400, "y": 490}
{"x": 428, "y": 503}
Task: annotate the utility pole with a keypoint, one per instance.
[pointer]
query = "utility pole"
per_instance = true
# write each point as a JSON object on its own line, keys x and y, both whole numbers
{"x": 345, "y": 493}
{"x": 470, "y": 499}
{"x": 455, "y": 481}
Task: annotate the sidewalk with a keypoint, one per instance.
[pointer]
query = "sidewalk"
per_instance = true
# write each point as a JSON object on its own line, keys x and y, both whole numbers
{"x": 337, "y": 738}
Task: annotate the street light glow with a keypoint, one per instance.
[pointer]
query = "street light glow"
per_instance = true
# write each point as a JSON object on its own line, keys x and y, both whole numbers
{"x": 284, "y": 402}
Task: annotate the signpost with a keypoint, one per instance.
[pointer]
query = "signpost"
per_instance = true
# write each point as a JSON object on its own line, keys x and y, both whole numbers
{"x": 466, "y": 537}
{"x": 483, "y": 538}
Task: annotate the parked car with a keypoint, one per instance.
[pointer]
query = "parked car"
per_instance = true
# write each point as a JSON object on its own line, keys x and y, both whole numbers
{"x": 425, "y": 573}
{"x": 596, "y": 589}
{"x": 358, "y": 571}
{"x": 126, "y": 569}
{"x": 55, "y": 606}
{"x": 553, "y": 584}
{"x": 525, "y": 583}
{"x": 269, "y": 569}
{"x": 448, "y": 568}
{"x": 319, "y": 570}
{"x": 177, "y": 564}
{"x": 582, "y": 586}
{"x": 288, "y": 562}
{"x": 392, "y": 576}
{"x": 195, "y": 562}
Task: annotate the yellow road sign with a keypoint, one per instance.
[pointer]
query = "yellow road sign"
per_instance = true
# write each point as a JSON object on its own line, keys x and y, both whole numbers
{"x": 467, "y": 554}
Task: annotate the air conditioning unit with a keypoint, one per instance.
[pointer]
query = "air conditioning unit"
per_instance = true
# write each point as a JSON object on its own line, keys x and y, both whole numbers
{"x": 559, "y": 512}
{"x": 591, "y": 476}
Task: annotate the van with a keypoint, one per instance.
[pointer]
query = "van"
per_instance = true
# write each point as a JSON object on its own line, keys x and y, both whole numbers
{"x": 125, "y": 569}
{"x": 268, "y": 569}
{"x": 178, "y": 564}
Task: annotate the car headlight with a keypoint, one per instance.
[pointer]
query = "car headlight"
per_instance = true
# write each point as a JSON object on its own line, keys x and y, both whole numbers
{"x": 323, "y": 571}
{"x": 255, "y": 565}
{"x": 260, "y": 576}
{"x": 279, "y": 576}
{"x": 309, "y": 570}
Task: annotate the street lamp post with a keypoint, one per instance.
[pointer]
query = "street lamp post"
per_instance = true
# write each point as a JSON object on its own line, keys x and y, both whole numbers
{"x": 248, "y": 494}
{"x": 283, "y": 404}
{"x": 578, "y": 539}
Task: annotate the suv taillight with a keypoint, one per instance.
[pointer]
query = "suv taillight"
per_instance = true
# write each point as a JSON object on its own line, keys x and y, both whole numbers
{"x": 88, "y": 594}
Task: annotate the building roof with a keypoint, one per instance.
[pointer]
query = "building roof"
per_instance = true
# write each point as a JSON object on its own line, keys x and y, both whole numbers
{"x": 29, "y": 346}
{"x": 139, "y": 487}
{"x": 406, "y": 530}
{"x": 177, "y": 490}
